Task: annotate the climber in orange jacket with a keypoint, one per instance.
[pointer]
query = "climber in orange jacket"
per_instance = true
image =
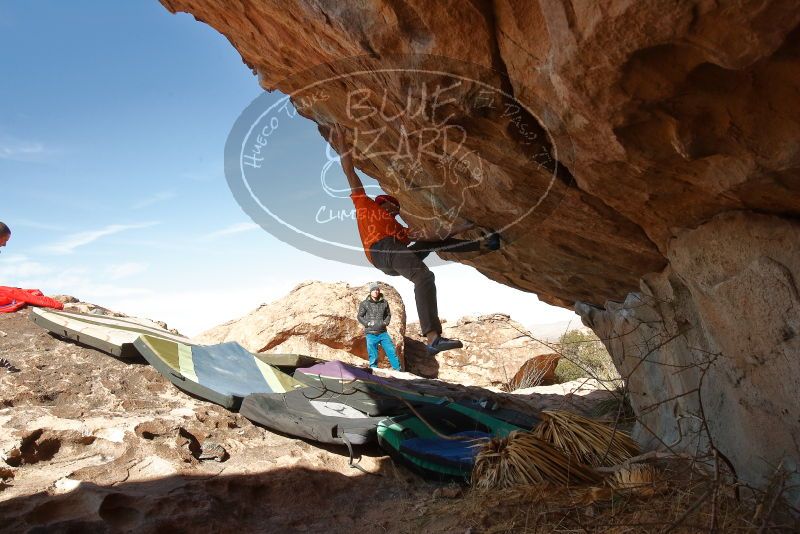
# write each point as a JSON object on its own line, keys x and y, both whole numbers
{"x": 386, "y": 244}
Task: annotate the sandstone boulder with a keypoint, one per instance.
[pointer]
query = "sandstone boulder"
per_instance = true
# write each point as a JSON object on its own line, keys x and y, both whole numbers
{"x": 539, "y": 370}
{"x": 654, "y": 119}
{"x": 495, "y": 348}
{"x": 317, "y": 319}
{"x": 726, "y": 315}
{"x": 651, "y": 118}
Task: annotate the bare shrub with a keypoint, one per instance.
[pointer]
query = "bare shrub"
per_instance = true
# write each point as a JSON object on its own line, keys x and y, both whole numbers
{"x": 583, "y": 355}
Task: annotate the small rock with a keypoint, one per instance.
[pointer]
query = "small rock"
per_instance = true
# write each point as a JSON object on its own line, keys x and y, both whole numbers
{"x": 8, "y": 366}
{"x": 65, "y": 485}
{"x": 66, "y": 299}
{"x": 213, "y": 451}
{"x": 448, "y": 492}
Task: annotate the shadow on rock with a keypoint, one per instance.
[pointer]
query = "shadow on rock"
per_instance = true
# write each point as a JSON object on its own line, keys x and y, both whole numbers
{"x": 289, "y": 499}
{"x": 418, "y": 361}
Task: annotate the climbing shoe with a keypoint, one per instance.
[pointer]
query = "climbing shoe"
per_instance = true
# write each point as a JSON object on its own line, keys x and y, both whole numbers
{"x": 492, "y": 241}
{"x": 443, "y": 343}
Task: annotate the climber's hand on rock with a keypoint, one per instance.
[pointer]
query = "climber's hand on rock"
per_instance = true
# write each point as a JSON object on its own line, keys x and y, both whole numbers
{"x": 339, "y": 139}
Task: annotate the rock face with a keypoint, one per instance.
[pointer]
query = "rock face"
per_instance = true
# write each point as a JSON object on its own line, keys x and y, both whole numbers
{"x": 537, "y": 371}
{"x": 727, "y": 316}
{"x": 660, "y": 118}
{"x": 315, "y": 318}
{"x": 657, "y": 123}
{"x": 495, "y": 348}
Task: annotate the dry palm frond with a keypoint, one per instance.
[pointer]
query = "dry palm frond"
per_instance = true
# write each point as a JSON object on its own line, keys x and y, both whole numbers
{"x": 522, "y": 459}
{"x": 587, "y": 441}
{"x": 634, "y": 475}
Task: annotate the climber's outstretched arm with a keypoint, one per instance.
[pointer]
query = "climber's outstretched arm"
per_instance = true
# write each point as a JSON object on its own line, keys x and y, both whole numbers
{"x": 339, "y": 140}
{"x": 416, "y": 234}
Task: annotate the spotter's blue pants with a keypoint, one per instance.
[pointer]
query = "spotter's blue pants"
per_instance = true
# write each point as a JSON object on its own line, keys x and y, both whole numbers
{"x": 384, "y": 340}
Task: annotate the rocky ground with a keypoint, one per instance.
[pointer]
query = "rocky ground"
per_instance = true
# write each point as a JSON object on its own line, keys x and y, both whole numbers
{"x": 495, "y": 349}
{"x": 89, "y": 443}
{"x": 92, "y": 443}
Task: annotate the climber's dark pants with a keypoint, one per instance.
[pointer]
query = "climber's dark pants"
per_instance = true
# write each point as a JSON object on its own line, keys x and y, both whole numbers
{"x": 396, "y": 259}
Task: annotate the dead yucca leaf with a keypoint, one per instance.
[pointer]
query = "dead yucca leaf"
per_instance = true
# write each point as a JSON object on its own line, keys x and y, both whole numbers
{"x": 635, "y": 478}
{"x": 587, "y": 441}
{"x": 634, "y": 475}
{"x": 523, "y": 459}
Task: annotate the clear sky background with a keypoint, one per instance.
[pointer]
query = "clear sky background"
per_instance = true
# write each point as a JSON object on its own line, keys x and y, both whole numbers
{"x": 113, "y": 120}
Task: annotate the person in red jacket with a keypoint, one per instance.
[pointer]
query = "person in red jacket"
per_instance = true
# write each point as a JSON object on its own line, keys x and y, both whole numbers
{"x": 387, "y": 245}
{"x": 5, "y": 234}
{"x": 14, "y": 298}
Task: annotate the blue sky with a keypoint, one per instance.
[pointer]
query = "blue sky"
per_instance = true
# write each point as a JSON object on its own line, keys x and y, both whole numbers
{"x": 113, "y": 122}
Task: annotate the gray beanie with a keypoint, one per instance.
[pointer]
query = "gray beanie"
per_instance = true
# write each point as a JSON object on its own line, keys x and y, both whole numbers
{"x": 373, "y": 286}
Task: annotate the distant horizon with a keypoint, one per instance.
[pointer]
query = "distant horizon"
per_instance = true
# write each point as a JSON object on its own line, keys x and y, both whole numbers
{"x": 573, "y": 323}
